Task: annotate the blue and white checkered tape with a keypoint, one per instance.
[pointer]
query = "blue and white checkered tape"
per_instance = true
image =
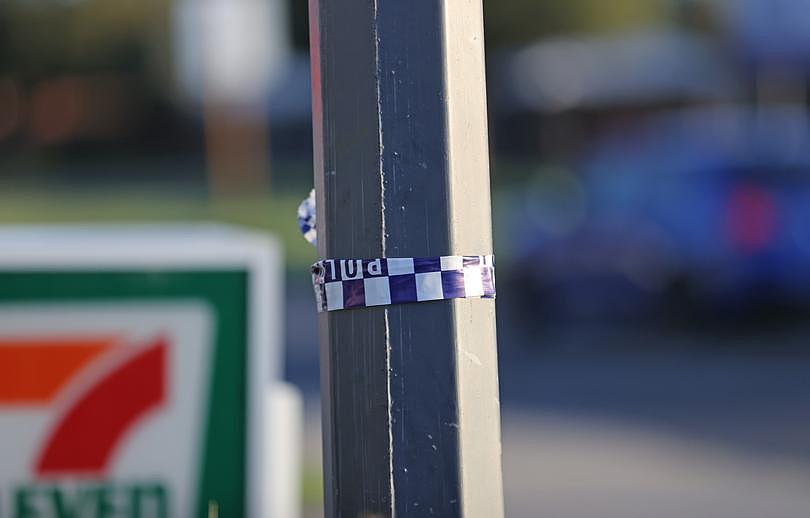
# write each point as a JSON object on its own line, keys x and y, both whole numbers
{"x": 306, "y": 218}
{"x": 359, "y": 283}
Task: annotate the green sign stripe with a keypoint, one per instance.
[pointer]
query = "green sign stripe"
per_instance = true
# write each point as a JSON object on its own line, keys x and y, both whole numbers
{"x": 223, "y": 477}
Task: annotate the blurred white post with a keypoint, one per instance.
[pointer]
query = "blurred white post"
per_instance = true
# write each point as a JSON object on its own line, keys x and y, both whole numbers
{"x": 229, "y": 54}
{"x": 285, "y": 414}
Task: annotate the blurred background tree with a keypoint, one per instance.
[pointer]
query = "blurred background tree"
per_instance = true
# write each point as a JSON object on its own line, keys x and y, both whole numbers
{"x": 523, "y": 21}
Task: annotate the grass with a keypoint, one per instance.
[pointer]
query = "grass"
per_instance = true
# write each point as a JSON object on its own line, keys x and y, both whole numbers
{"x": 312, "y": 486}
{"x": 273, "y": 214}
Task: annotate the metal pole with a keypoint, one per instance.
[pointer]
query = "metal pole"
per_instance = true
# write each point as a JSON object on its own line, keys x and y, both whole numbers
{"x": 410, "y": 394}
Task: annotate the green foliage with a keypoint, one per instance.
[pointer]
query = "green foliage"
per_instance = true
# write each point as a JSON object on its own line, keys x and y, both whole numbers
{"x": 46, "y": 38}
{"x": 511, "y": 22}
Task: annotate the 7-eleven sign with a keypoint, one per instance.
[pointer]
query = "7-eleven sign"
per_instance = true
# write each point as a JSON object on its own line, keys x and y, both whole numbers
{"x": 133, "y": 390}
{"x": 109, "y": 395}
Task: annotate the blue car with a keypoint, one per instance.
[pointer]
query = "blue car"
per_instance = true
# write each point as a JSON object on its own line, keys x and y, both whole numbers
{"x": 698, "y": 212}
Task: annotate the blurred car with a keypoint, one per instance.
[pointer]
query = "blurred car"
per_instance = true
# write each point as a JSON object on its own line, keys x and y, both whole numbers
{"x": 695, "y": 212}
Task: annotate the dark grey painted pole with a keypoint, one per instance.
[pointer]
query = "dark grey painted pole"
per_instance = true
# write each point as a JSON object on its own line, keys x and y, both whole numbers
{"x": 410, "y": 398}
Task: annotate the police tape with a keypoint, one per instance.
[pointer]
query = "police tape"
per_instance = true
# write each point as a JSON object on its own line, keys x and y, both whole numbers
{"x": 306, "y": 218}
{"x": 359, "y": 283}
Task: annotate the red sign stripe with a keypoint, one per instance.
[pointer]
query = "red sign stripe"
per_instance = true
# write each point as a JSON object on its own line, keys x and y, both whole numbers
{"x": 86, "y": 437}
